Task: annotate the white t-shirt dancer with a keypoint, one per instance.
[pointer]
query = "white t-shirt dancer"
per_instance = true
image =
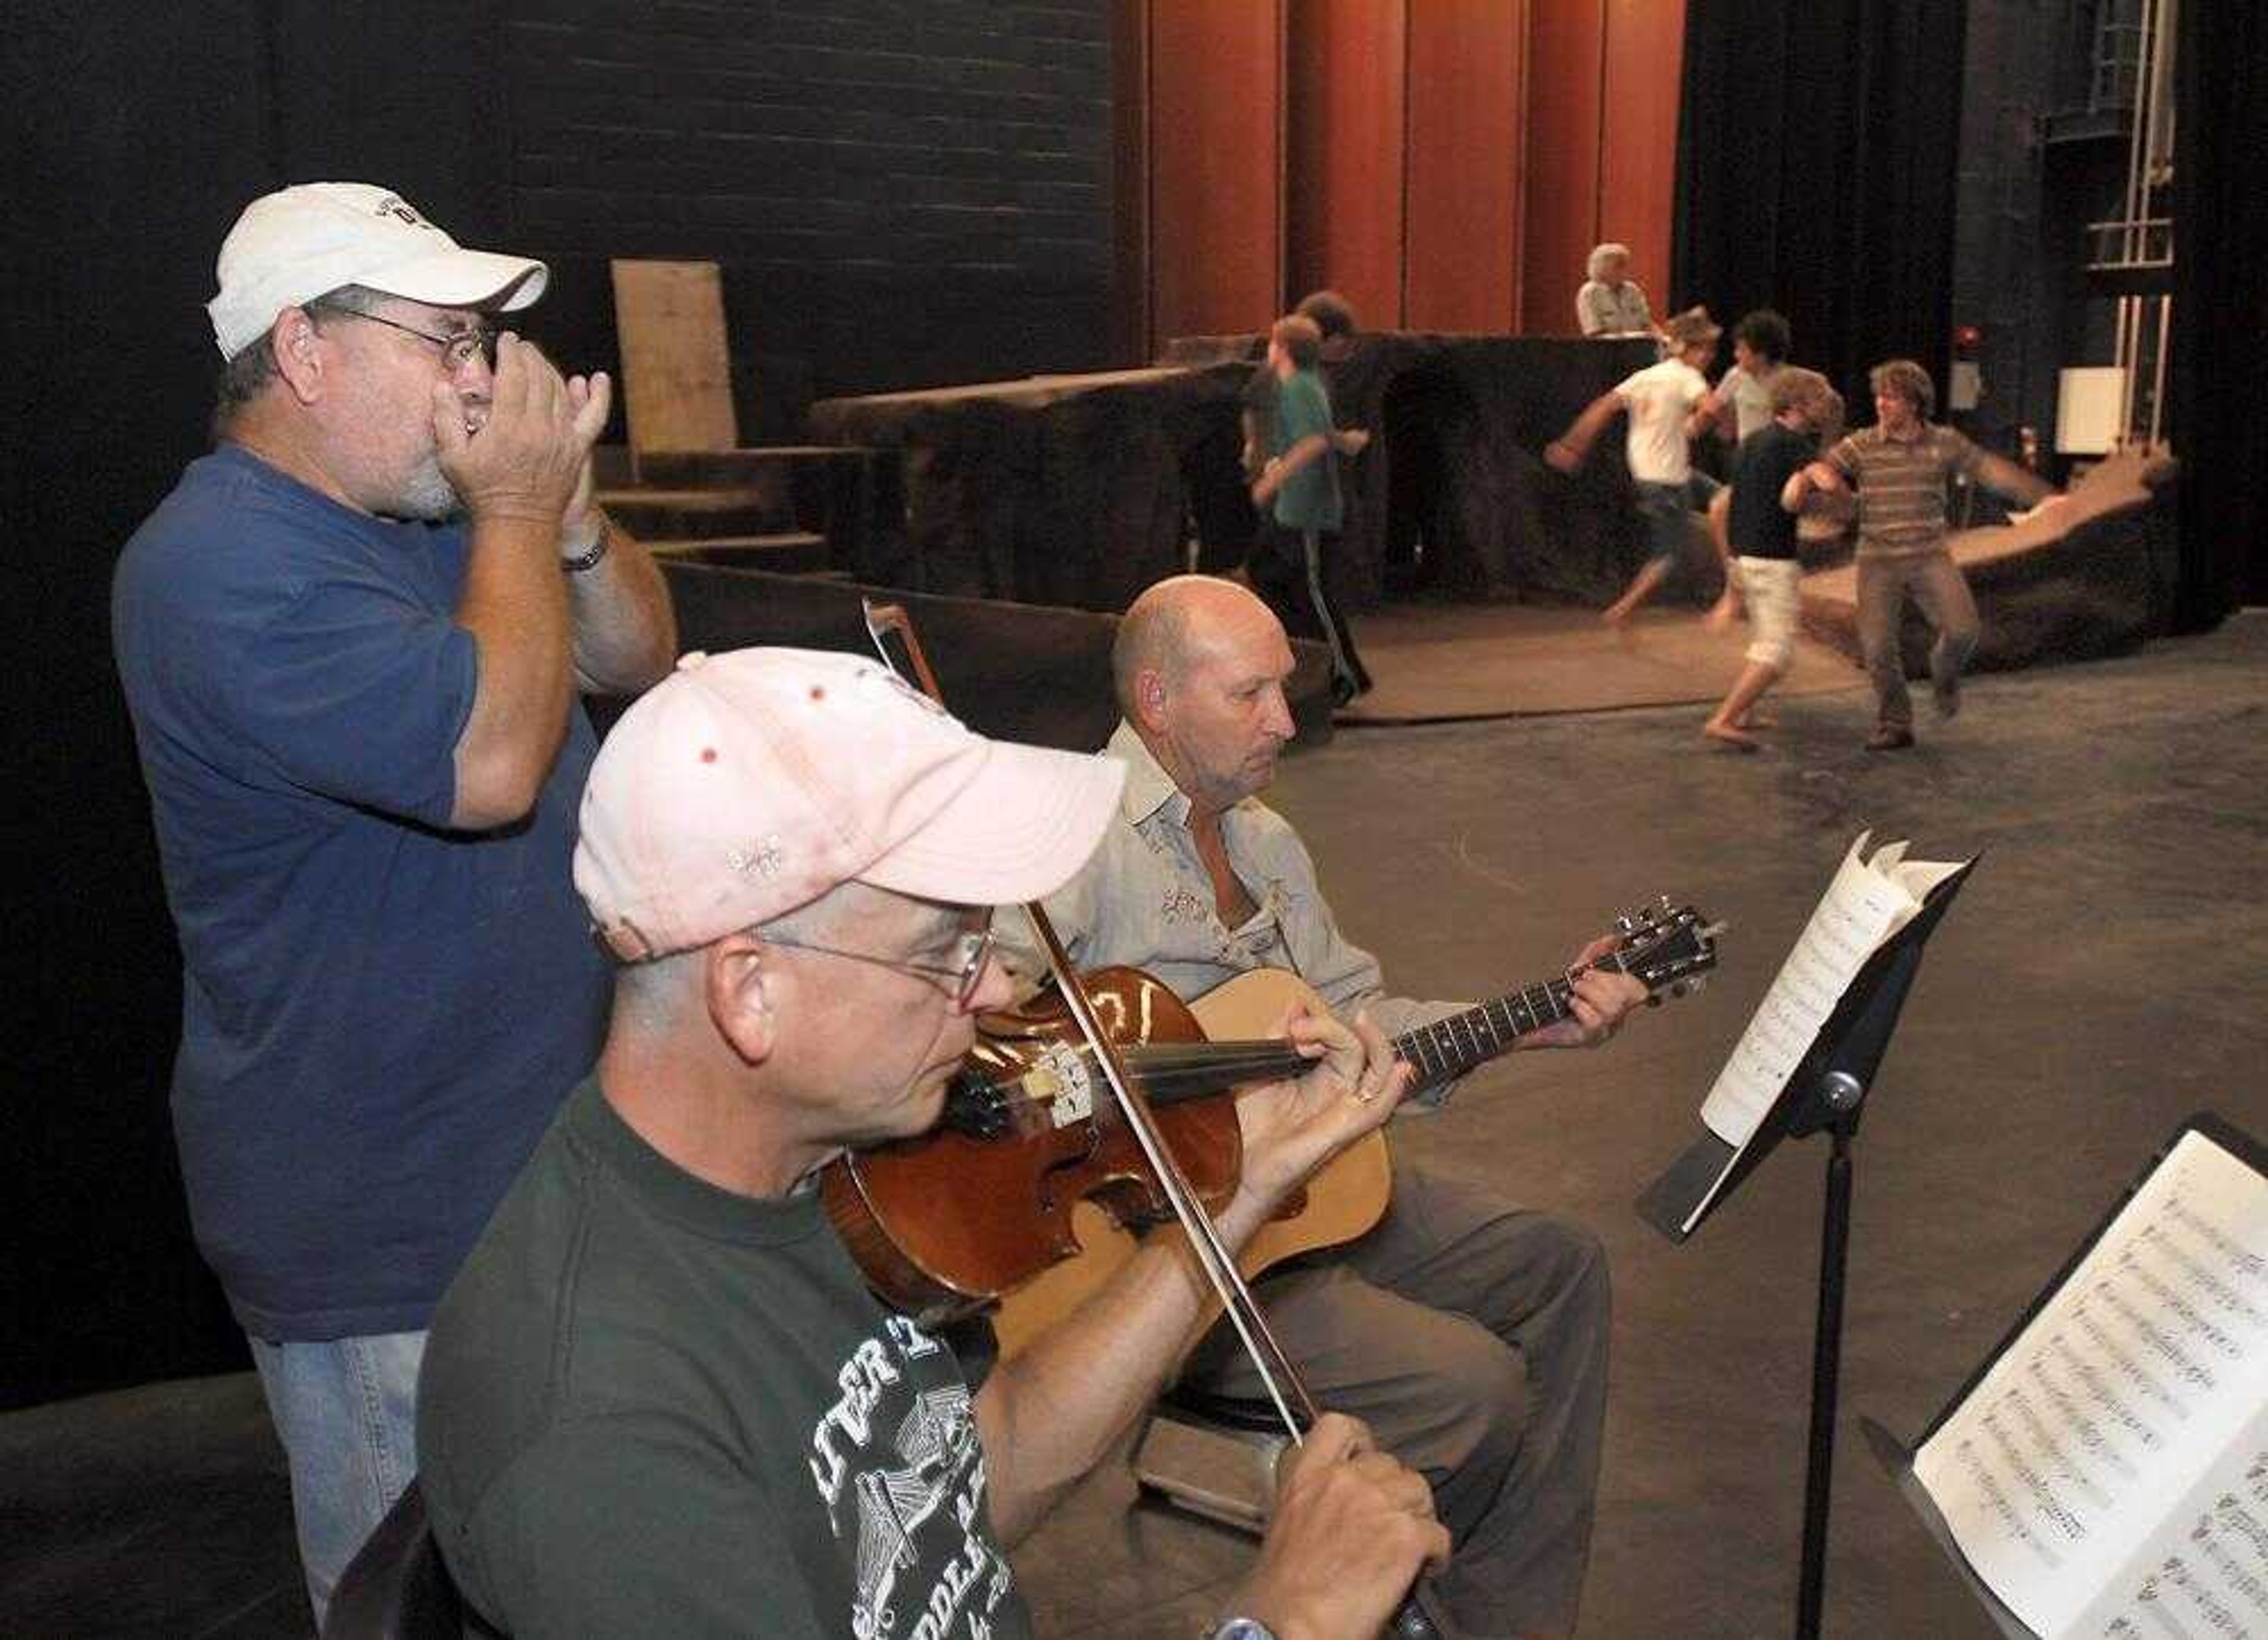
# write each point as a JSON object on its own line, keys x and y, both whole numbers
{"x": 1659, "y": 400}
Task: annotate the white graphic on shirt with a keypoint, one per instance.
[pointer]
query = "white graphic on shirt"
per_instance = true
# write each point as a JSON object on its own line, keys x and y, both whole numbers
{"x": 883, "y": 1483}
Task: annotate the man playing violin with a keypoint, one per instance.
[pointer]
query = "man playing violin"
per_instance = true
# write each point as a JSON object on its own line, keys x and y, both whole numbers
{"x": 1471, "y": 1334}
{"x": 659, "y": 1399}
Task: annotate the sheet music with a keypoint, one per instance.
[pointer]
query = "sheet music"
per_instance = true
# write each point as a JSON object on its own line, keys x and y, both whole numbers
{"x": 2205, "y": 1571}
{"x": 1866, "y": 903}
{"x": 2109, "y": 1476}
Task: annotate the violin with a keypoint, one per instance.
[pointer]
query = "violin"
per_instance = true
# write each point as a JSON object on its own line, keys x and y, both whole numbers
{"x": 944, "y": 1223}
{"x": 1029, "y": 1130}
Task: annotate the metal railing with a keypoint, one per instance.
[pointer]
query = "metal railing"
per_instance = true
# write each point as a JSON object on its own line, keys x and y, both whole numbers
{"x": 2124, "y": 246}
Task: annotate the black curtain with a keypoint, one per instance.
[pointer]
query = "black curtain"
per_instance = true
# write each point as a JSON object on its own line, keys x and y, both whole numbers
{"x": 121, "y": 161}
{"x": 2220, "y": 224}
{"x": 1816, "y": 150}
{"x": 135, "y": 134}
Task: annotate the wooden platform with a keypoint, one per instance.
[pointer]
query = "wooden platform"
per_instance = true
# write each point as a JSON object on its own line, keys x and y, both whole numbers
{"x": 1081, "y": 490}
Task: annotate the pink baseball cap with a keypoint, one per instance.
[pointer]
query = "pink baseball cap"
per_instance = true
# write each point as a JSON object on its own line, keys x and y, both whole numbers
{"x": 298, "y": 243}
{"x": 749, "y": 784}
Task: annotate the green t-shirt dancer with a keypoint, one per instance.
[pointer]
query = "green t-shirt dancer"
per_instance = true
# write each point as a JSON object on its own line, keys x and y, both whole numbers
{"x": 1298, "y": 490}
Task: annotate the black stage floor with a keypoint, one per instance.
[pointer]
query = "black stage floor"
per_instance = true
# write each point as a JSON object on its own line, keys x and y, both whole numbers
{"x": 2099, "y": 979}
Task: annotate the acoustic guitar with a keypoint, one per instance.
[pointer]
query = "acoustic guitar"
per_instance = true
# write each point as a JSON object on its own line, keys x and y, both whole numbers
{"x": 1669, "y": 950}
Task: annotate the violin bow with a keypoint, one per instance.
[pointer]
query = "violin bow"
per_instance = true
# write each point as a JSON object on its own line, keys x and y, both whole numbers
{"x": 1418, "y": 1617}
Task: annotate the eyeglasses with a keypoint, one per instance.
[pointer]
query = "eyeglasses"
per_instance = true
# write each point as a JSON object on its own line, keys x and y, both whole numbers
{"x": 457, "y": 351}
{"x": 965, "y": 967}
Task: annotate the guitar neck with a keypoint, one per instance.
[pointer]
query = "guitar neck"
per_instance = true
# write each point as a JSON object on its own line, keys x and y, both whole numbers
{"x": 1438, "y": 1052}
{"x": 1448, "y": 1048}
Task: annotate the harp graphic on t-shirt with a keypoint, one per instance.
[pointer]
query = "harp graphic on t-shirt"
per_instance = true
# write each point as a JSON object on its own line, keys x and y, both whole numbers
{"x": 936, "y": 1443}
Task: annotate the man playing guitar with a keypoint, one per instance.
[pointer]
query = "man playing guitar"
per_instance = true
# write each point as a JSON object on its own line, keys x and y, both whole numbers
{"x": 1470, "y": 1334}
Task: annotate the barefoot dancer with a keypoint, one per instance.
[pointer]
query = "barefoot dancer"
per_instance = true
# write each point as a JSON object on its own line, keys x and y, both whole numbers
{"x": 1761, "y": 524}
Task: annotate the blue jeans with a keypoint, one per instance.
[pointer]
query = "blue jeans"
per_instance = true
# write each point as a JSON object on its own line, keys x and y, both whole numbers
{"x": 1666, "y": 509}
{"x": 347, "y": 1411}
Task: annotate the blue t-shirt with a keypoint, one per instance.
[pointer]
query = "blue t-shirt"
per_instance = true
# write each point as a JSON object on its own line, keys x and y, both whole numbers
{"x": 377, "y": 1014}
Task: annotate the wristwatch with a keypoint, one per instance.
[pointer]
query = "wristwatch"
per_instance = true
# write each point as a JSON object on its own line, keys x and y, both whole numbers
{"x": 1243, "y": 1629}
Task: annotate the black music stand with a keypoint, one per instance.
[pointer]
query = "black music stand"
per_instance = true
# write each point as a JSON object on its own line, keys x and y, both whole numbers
{"x": 1825, "y": 1093}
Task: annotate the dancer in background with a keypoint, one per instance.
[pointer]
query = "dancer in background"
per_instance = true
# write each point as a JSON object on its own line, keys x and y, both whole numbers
{"x": 1335, "y": 317}
{"x": 1295, "y": 559}
{"x": 1762, "y": 500}
{"x": 1900, "y": 467}
{"x": 1666, "y": 406}
{"x": 1741, "y": 405}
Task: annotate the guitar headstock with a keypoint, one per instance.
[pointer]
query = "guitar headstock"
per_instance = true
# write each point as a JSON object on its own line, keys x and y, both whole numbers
{"x": 1666, "y": 947}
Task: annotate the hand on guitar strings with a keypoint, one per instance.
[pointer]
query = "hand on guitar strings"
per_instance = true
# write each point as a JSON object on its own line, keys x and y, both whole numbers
{"x": 1290, "y": 1128}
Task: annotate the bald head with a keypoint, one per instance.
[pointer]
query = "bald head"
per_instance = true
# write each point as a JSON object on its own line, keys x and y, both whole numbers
{"x": 1179, "y": 621}
{"x": 1200, "y": 666}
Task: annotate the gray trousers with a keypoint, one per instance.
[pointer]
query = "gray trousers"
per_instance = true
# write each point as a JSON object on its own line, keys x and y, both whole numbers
{"x": 1934, "y": 581}
{"x": 1471, "y": 1336}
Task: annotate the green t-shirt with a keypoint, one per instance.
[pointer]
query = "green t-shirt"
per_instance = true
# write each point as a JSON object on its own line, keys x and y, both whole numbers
{"x": 1309, "y": 499}
{"x": 649, "y": 1406}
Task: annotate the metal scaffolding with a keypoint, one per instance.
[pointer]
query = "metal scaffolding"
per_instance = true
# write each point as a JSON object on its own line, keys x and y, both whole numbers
{"x": 2134, "y": 251}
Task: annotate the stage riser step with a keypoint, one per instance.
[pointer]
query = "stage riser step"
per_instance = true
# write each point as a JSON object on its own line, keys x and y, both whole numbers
{"x": 793, "y": 553}
{"x": 658, "y": 514}
{"x": 769, "y": 469}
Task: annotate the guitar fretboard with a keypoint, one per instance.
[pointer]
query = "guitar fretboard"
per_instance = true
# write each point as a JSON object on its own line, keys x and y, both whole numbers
{"x": 1448, "y": 1048}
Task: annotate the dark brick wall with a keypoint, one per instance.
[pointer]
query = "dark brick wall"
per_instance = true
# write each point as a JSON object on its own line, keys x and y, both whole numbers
{"x": 900, "y": 192}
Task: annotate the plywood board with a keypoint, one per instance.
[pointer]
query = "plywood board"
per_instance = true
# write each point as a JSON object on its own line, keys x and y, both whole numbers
{"x": 677, "y": 367}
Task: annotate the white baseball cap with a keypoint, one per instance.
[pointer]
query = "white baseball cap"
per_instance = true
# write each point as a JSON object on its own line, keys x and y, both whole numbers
{"x": 749, "y": 784}
{"x": 292, "y": 246}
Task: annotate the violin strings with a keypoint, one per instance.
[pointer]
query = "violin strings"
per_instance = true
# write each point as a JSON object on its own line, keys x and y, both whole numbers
{"x": 1165, "y": 1083}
